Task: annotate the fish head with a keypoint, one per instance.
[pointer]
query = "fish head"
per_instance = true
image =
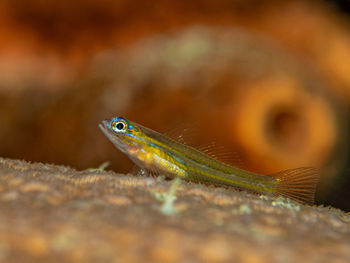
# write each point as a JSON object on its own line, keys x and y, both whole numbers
{"x": 125, "y": 135}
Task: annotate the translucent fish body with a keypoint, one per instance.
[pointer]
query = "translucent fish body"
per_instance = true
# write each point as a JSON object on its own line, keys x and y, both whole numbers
{"x": 158, "y": 153}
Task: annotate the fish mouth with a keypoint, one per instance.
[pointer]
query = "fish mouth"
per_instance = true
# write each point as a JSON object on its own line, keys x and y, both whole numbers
{"x": 106, "y": 122}
{"x": 105, "y": 127}
{"x": 112, "y": 136}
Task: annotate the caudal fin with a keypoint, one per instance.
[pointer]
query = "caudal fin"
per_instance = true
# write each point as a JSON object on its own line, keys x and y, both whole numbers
{"x": 298, "y": 184}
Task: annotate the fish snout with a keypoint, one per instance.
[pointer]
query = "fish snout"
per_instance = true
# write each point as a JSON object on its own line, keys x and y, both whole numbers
{"x": 106, "y": 123}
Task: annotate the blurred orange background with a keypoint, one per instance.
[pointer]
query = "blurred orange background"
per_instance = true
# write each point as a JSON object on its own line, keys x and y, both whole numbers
{"x": 269, "y": 80}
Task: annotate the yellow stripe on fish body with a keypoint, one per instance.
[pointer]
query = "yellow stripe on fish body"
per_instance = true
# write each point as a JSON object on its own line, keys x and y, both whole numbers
{"x": 155, "y": 159}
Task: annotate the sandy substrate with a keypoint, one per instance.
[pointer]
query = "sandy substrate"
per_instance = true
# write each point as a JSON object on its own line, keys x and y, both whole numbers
{"x": 53, "y": 213}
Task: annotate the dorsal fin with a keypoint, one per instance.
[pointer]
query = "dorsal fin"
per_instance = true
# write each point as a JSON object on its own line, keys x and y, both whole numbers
{"x": 220, "y": 153}
{"x": 185, "y": 134}
{"x": 182, "y": 133}
{"x": 298, "y": 184}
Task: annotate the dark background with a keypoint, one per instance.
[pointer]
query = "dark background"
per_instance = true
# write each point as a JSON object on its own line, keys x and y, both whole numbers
{"x": 342, "y": 5}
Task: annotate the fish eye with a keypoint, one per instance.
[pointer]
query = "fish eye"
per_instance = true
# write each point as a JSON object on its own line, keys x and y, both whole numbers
{"x": 119, "y": 126}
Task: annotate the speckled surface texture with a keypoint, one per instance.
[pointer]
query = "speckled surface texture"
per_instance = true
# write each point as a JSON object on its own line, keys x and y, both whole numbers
{"x": 55, "y": 214}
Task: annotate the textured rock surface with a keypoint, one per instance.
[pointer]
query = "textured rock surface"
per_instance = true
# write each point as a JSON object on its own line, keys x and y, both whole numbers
{"x": 55, "y": 214}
